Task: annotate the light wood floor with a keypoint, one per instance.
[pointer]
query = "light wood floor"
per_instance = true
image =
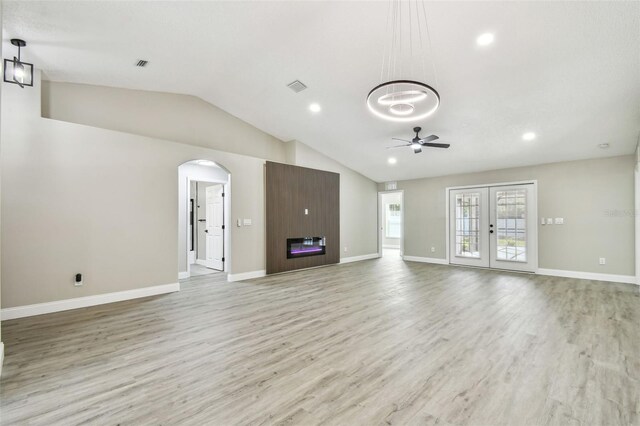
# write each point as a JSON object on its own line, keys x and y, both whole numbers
{"x": 373, "y": 342}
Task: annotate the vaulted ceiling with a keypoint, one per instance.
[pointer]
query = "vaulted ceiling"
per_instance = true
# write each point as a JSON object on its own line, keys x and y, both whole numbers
{"x": 567, "y": 71}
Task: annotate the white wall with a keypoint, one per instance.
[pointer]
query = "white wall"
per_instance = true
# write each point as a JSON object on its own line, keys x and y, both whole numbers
{"x": 595, "y": 198}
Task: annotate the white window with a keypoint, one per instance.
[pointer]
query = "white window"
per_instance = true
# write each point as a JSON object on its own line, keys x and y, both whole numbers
{"x": 392, "y": 230}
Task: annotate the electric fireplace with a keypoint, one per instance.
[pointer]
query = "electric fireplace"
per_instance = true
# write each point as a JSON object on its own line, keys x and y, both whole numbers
{"x": 307, "y": 246}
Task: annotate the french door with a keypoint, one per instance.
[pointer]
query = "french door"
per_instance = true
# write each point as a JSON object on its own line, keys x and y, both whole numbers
{"x": 494, "y": 227}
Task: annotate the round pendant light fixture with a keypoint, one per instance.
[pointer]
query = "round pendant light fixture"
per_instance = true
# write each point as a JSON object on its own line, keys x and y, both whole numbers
{"x": 403, "y": 100}
{"x": 401, "y": 97}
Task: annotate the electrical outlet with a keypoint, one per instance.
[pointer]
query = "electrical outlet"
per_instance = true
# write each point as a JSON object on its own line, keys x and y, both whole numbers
{"x": 603, "y": 261}
{"x": 346, "y": 250}
{"x": 549, "y": 221}
{"x": 433, "y": 249}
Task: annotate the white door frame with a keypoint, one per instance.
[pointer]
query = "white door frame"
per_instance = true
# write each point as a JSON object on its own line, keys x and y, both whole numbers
{"x": 227, "y": 209}
{"x": 381, "y": 218}
{"x": 636, "y": 176}
{"x": 521, "y": 182}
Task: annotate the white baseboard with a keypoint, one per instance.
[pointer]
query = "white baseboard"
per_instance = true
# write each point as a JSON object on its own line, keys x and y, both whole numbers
{"x": 359, "y": 258}
{"x": 201, "y": 262}
{"x": 83, "y": 302}
{"x": 626, "y": 279}
{"x": 184, "y": 275}
{"x": 246, "y": 275}
{"x": 426, "y": 260}
{"x": 1, "y": 356}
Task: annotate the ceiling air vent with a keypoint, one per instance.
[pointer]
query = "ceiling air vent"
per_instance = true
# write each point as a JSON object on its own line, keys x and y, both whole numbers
{"x": 142, "y": 63}
{"x": 297, "y": 86}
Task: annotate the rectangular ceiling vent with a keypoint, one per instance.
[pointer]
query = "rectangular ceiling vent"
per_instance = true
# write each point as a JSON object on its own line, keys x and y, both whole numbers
{"x": 142, "y": 63}
{"x": 297, "y": 86}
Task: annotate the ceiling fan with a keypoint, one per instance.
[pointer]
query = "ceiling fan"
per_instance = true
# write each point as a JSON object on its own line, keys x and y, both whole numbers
{"x": 417, "y": 143}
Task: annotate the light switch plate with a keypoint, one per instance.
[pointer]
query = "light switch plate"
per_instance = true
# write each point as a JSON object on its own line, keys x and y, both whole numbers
{"x": 306, "y": 211}
{"x": 239, "y": 222}
{"x": 549, "y": 221}
{"x": 543, "y": 222}
{"x": 559, "y": 221}
{"x": 247, "y": 222}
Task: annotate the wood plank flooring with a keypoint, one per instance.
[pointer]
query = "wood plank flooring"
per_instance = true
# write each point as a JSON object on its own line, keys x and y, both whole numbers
{"x": 372, "y": 342}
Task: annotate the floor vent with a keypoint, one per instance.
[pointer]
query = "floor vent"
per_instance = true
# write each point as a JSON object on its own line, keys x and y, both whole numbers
{"x": 142, "y": 63}
{"x": 297, "y": 86}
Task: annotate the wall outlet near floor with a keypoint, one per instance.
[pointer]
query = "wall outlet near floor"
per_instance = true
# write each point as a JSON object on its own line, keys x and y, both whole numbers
{"x": 433, "y": 249}
{"x": 78, "y": 280}
{"x": 603, "y": 261}
{"x": 346, "y": 250}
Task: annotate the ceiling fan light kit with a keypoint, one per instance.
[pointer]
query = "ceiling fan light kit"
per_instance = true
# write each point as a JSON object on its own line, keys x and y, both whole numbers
{"x": 403, "y": 99}
{"x": 417, "y": 143}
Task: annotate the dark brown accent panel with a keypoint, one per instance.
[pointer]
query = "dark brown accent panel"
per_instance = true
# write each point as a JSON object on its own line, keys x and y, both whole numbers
{"x": 289, "y": 191}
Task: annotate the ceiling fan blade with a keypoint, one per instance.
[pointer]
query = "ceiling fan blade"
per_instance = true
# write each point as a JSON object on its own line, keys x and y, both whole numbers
{"x": 429, "y": 139}
{"x": 437, "y": 145}
{"x": 398, "y": 146}
{"x": 403, "y": 140}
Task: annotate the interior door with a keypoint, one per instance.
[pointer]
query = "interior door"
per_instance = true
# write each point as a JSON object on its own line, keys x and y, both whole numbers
{"x": 513, "y": 220}
{"x": 215, "y": 227}
{"x": 469, "y": 227}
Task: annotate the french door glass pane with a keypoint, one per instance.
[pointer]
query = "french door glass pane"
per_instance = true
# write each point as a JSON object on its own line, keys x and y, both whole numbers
{"x": 468, "y": 225}
{"x": 511, "y": 226}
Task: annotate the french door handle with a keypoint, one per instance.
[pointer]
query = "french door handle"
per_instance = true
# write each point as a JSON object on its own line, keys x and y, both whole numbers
{"x": 491, "y": 231}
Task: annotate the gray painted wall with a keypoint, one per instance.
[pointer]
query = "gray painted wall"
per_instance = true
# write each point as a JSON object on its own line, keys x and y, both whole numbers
{"x": 595, "y": 198}
{"x": 105, "y": 202}
{"x": 169, "y": 116}
{"x": 358, "y": 201}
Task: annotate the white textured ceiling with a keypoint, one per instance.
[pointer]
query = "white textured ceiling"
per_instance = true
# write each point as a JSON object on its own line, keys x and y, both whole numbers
{"x": 568, "y": 71}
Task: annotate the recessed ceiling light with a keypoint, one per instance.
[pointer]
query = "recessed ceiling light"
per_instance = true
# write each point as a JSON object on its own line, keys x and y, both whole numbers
{"x": 315, "y": 107}
{"x": 603, "y": 145}
{"x": 529, "y": 136}
{"x": 485, "y": 39}
{"x": 392, "y": 160}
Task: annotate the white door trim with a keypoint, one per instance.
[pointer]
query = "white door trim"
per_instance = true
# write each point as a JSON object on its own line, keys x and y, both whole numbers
{"x": 381, "y": 215}
{"x": 447, "y": 212}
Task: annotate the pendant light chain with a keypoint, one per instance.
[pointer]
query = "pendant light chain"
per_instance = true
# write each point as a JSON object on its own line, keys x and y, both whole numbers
{"x": 402, "y": 98}
{"x": 431, "y": 52}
